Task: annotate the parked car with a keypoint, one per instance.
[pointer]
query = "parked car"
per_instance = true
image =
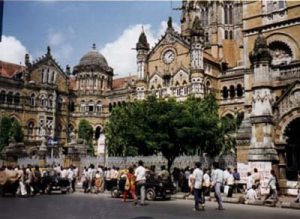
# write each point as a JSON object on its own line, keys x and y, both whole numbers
{"x": 155, "y": 189}
{"x": 51, "y": 181}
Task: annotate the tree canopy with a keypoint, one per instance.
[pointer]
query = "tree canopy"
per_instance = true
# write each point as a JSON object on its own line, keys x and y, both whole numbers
{"x": 9, "y": 128}
{"x": 85, "y": 131}
{"x": 168, "y": 127}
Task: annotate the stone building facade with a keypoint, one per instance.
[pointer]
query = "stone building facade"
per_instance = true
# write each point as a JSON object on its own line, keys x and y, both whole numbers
{"x": 245, "y": 52}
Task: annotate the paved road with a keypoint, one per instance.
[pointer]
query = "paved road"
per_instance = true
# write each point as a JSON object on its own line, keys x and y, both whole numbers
{"x": 88, "y": 206}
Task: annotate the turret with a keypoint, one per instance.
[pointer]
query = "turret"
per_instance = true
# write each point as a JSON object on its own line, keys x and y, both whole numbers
{"x": 142, "y": 48}
{"x": 262, "y": 146}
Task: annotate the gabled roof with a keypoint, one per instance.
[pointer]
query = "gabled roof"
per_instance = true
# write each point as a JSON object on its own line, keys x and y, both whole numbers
{"x": 170, "y": 33}
{"x": 9, "y": 70}
{"x": 45, "y": 59}
{"x": 121, "y": 83}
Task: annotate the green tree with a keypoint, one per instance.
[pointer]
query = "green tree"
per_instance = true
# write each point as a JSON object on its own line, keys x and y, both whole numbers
{"x": 168, "y": 127}
{"x": 85, "y": 131}
{"x": 10, "y": 128}
{"x": 16, "y": 131}
{"x": 5, "y": 125}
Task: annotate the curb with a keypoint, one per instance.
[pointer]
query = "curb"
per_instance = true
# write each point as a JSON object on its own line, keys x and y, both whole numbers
{"x": 239, "y": 200}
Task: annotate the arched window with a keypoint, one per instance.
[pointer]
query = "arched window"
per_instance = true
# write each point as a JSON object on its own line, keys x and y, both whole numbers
{"x": 110, "y": 107}
{"x": 230, "y": 14}
{"x": 208, "y": 87}
{"x": 97, "y": 132}
{"x": 91, "y": 106}
{"x": 32, "y": 99}
{"x": 2, "y": 96}
{"x": 226, "y": 34}
{"x": 30, "y": 127}
{"x": 232, "y": 91}
{"x": 225, "y": 92}
{"x": 9, "y": 97}
{"x": 99, "y": 107}
{"x": 230, "y": 35}
{"x": 17, "y": 99}
{"x": 50, "y": 101}
{"x": 43, "y": 101}
{"x": 239, "y": 90}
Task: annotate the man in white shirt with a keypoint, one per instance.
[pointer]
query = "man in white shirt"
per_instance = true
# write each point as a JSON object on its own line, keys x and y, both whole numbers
{"x": 197, "y": 182}
{"x": 251, "y": 194}
{"x": 217, "y": 182}
{"x": 140, "y": 174}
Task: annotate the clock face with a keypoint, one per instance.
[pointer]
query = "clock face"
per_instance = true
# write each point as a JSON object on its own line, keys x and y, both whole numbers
{"x": 169, "y": 57}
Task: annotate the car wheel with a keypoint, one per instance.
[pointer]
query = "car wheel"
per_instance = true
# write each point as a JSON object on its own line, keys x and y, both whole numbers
{"x": 150, "y": 194}
{"x": 115, "y": 192}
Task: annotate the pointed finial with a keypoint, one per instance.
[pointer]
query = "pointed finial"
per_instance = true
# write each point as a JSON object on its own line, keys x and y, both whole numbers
{"x": 143, "y": 29}
{"x": 48, "y": 50}
{"x": 94, "y": 46}
{"x": 170, "y": 26}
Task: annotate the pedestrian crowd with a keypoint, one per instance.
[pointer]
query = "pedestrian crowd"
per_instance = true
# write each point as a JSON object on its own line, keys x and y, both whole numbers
{"x": 32, "y": 180}
{"x": 199, "y": 182}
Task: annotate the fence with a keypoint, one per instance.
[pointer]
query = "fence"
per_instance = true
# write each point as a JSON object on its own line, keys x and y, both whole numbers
{"x": 121, "y": 162}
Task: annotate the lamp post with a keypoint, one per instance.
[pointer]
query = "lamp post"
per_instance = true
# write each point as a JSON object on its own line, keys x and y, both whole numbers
{"x": 42, "y": 152}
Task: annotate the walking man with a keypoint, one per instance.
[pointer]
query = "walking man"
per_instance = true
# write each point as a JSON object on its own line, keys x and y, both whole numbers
{"x": 140, "y": 174}
{"x": 197, "y": 182}
{"x": 217, "y": 182}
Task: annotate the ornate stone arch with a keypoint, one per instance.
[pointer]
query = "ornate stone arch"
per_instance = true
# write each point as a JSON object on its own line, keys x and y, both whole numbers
{"x": 283, "y": 123}
{"x": 288, "y": 40}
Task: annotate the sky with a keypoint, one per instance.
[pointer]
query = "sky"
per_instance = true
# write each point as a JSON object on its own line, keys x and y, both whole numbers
{"x": 70, "y": 28}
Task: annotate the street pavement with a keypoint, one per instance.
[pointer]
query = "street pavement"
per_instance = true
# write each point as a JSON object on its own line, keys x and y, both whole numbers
{"x": 91, "y": 206}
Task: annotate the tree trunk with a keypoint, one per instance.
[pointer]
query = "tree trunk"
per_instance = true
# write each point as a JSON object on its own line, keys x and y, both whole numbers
{"x": 170, "y": 163}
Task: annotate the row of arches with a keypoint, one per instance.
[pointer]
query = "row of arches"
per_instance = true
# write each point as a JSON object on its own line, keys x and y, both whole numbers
{"x": 10, "y": 98}
{"x": 232, "y": 91}
{"x": 46, "y": 101}
{"x": 90, "y": 106}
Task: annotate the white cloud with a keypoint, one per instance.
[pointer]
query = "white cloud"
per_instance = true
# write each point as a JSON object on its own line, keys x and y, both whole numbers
{"x": 120, "y": 54}
{"x": 12, "y": 50}
{"x": 60, "y": 47}
{"x": 55, "y": 39}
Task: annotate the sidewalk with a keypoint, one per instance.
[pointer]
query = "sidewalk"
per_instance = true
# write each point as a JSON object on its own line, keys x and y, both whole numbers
{"x": 284, "y": 201}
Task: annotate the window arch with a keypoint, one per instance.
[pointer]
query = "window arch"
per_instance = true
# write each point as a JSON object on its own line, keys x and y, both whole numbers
{"x": 99, "y": 107}
{"x": 50, "y": 101}
{"x": 232, "y": 91}
{"x": 17, "y": 99}
{"x": 98, "y": 131}
{"x": 226, "y": 34}
{"x": 225, "y": 92}
{"x": 2, "y": 96}
{"x": 91, "y": 106}
{"x": 281, "y": 53}
{"x": 239, "y": 90}
{"x": 30, "y": 128}
{"x": 9, "y": 98}
{"x": 32, "y": 100}
{"x": 43, "y": 101}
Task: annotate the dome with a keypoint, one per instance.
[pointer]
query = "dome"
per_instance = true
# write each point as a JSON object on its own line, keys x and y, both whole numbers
{"x": 93, "y": 58}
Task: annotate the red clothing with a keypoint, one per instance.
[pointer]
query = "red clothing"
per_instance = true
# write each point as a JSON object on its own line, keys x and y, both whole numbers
{"x": 131, "y": 189}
